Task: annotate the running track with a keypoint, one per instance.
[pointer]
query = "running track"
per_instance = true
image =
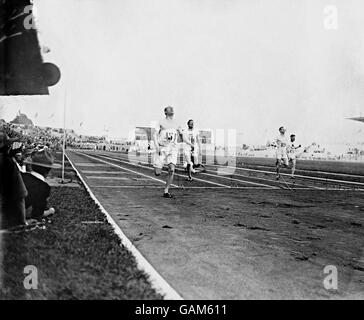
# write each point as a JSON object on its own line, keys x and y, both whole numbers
{"x": 200, "y": 258}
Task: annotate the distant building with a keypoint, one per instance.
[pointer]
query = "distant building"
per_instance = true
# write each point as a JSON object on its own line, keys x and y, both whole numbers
{"x": 22, "y": 119}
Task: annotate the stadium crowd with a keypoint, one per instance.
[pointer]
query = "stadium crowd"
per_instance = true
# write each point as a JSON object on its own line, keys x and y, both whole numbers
{"x": 26, "y": 158}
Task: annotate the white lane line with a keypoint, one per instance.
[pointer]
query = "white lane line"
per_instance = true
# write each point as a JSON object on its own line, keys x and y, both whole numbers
{"x": 297, "y": 170}
{"x": 296, "y": 185}
{"x": 235, "y": 174}
{"x": 107, "y": 178}
{"x": 238, "y": 175}
{"x": 176, "y": 174}
{"x": 207, "y": 174}
{"x": 117, "y": 166}
{"x": 321, "y": 172}
{"x": 157, "y": 281}
{"x": 217, "y": 188}
{"x": 89, "y": 164}
{"x": 303, "y": 187}
{"x": 244, "y": 169}
{"x": 188, "y": 187}
{"x": 309, "y": 177}
{"x": 105, "y": 172}
{"x": 234, "y": 179}
{"x": 263, "y": 179}
{"x": 300, "y": 176}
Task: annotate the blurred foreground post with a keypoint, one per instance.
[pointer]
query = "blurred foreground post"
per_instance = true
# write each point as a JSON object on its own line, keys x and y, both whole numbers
{"x": 64, "y": 134}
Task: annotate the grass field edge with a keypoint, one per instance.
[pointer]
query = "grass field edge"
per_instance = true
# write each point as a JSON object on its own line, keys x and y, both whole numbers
{"x": 158, "y": 283}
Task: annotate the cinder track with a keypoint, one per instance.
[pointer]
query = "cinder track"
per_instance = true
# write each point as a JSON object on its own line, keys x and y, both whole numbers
{"x": 236, "y": 235}
{"x": 262, "y": 178}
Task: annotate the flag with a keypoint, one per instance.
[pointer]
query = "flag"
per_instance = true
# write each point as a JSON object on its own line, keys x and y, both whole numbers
{"x": 51, "y": 116}
{"x": 81, "y": 124}
{"x": 36, "y": 115}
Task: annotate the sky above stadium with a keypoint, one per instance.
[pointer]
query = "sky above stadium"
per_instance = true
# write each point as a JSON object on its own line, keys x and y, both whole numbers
{"x": 248, "y": 65}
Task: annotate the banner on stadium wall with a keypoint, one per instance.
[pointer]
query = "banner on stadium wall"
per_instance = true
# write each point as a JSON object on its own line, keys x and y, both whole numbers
{"x": 143, "y": 134}
{"x": 205, "y": 136}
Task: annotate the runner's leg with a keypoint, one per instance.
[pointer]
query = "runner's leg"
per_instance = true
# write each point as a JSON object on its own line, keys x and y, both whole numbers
{"x": 293, "y": 167}
{"x": 169, "y": 181}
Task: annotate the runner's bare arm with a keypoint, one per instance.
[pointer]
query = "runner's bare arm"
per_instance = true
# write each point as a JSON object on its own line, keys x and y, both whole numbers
{"x": 155, "y": 138}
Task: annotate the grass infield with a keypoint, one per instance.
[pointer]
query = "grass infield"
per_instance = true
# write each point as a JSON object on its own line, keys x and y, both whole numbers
{"x": 77, "y": 256}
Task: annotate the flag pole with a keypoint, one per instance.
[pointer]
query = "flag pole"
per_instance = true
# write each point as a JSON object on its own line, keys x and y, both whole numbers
{"x": 64, "y": 133}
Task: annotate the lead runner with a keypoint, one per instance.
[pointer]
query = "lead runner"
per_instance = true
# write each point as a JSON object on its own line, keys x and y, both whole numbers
{"x": 165, "y": 139}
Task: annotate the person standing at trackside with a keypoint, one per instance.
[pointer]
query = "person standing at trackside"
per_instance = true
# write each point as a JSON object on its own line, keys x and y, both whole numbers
{"x": 281, "y": 143}
{"x": 165, "y": 140}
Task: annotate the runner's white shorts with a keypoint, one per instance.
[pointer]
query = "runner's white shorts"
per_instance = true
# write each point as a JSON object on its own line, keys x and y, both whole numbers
{"x": 291, "y": 156}
{"x": 281, "y": 154}
{"x": 167, "y": 155}
{"x": 188, "y": 154}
